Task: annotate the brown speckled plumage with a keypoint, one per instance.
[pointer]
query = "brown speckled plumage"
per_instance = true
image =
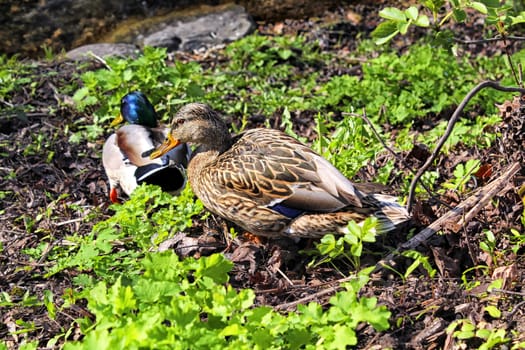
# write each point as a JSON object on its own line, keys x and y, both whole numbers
{"x": 269, "y": 183}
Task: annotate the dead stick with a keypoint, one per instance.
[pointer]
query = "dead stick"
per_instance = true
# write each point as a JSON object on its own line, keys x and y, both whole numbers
{"x": 474, "y": 203}
{"x": 498, "y": 186}
{"x": 311, "y": 297}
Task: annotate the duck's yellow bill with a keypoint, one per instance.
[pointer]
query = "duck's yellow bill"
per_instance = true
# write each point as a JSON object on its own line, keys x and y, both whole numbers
{"x": 169, "y": 144}
{"x": 119, "y": 119}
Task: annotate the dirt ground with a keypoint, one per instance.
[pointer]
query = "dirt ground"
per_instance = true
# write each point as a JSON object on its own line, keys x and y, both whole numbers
{"x": 37, "y": 196}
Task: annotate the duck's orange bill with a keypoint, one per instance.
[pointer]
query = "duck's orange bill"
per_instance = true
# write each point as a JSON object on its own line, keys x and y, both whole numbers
{"x": 169, "y": 144}
{"x": 119, "y": 119}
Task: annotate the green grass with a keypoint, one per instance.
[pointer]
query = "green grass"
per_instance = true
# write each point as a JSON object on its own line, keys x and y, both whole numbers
{"x": 13, "y": 75}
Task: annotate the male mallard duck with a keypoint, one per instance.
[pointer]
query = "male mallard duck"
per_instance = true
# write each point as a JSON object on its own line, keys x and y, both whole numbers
{"x": 125, "y": 154}
{"x": 269, "y": 183}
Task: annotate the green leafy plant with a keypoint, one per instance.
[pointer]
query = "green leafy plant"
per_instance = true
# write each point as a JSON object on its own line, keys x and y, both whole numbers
{"x": 500, "y": 14}
{"x": 468, "y": 283}
{"x": 488, "y": 245}
{"x": 430, "y": 80}
{"x": 186, "y": 304}
{"x": 465, "y": 329}
{"x": 348, "y": 246}
{"x": 463, "y": 174}
{"x": 149, "y": 217}
{"x": 517, "y": 239}
{"x": 493, "y": 311}
{"x": 429, "y": 178}
{"x": 21, "y": 326}
{"x": 265, "y": 75}
{"x": 398, "y": 22}
{"x": 419, "y": 260}
{"x": 349, "y": 146}
{"x": 466, "y": 132}
{"x": 13, "y": 75}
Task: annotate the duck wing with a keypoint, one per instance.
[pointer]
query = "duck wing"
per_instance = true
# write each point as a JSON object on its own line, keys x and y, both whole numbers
{"x": 136, "y": 142}
{"x": 274, "y": 170}
{"x": 118, "y": 170}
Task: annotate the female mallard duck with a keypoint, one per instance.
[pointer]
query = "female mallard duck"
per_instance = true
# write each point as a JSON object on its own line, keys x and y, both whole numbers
{"x": 125, "y": 154}
{"x": 269, "y": 183}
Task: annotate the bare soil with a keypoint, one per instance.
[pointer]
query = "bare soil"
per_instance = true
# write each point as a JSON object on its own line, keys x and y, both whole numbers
{"x": 43, "y": 177}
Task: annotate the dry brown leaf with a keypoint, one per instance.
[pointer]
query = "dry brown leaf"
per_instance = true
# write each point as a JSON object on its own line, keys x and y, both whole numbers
{"x": 507, "y": 273}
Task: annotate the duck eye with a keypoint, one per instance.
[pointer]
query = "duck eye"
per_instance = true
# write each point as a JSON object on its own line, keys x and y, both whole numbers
{"x": 180, "y": 121}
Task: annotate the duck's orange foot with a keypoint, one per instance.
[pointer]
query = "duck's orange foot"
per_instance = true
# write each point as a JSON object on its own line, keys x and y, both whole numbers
{"x": 253, "y": 238}
{"x": 113, "y": 196}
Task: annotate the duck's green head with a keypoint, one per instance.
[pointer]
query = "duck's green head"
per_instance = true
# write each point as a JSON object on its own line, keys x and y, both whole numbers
{"x": 135, "y": 108}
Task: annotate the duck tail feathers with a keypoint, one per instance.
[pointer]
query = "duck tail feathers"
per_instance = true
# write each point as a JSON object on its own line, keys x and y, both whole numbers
{"x": 169, "y": 177}
{"x": 389, "y": 213}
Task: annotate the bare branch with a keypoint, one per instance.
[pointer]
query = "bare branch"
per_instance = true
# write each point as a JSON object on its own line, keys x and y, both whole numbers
{"x": 511, "y": 63}
{"x": 455, "y": 116}
{"x": 484, "y": 41}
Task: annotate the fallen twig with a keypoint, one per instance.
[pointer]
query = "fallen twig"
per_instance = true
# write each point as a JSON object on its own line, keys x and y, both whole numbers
{"x": 515, "y": 309}
{"x": 291, "y": 305}
{"x": 458, "y": 216}
{"x": 100, "y": 59}
{"x": 497, "y": 187}
{"x": 71, "y": 221}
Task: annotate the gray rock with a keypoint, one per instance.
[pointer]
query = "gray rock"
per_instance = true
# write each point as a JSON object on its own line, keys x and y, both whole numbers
{"x": 28, "y": 25}
{"x": 202, "y": 32}
{"x": 102, "y": 50}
